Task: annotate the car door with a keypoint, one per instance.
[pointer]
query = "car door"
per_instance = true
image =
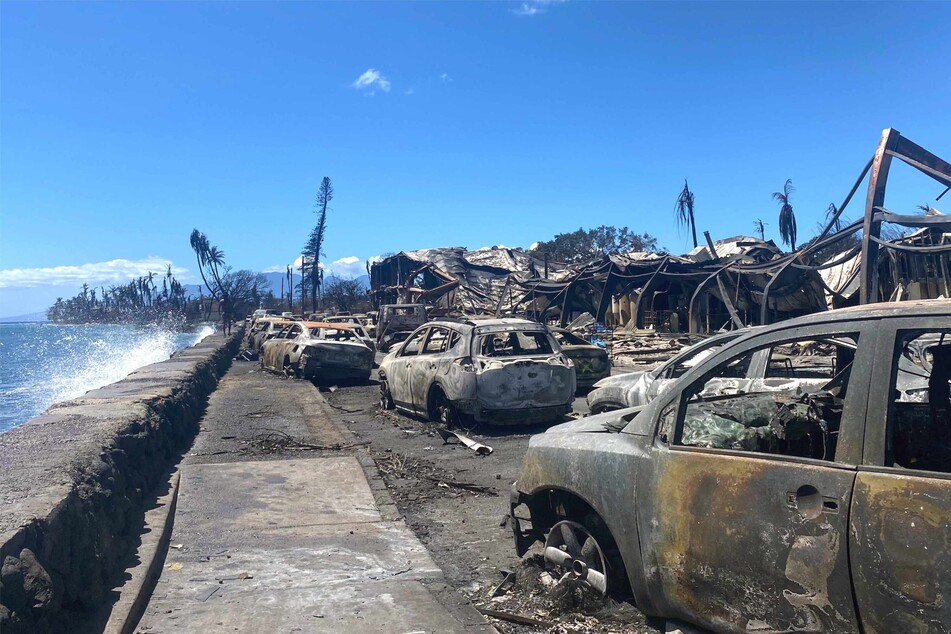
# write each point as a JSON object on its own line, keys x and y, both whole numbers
{"x": 428, "y": 364}
{"x": 401, "y": 372}
{"x": 900, "y": 539}
{"x": 741, "y": 529}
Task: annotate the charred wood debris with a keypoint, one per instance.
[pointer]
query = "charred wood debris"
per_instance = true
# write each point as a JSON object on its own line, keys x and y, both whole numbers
{"x": 644, "y": 306}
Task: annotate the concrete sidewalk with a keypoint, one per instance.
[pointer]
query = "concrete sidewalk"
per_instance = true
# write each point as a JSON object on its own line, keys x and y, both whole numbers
{"x": 284, "y": 545}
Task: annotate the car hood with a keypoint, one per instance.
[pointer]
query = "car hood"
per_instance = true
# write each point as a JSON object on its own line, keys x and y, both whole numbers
{"x": 608, "y": 422}
{"x": 620, "y": 380}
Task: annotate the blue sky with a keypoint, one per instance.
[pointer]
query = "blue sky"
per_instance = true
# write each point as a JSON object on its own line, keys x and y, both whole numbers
{"x": 125, "y": 125}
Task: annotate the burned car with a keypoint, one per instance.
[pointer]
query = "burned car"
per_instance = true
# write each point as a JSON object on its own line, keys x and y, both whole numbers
{"x": 263, "y": 329}
{"x": 737, "y": 508}
{"x": 358, "y": 327}
{"x": 591, "y": 362}
{"x": 318, "y": 351}
{"x": 397, "y": 322}
{"x": 633, "y": 389}
{"x": 496, "y": 370}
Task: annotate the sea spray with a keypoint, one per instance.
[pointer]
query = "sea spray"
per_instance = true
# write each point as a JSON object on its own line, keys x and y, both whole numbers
{"x": 46, "y": 363}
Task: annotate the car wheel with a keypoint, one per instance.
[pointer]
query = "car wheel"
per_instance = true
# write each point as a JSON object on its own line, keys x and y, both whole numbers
{"x": 441, "y": 410}
{"x": 575, "y": 553}
{"x": 386, "y": 399}
{"x": 289, "y": 371}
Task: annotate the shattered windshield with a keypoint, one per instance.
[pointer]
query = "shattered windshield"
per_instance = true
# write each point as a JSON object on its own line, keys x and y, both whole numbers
{"x": 515, "y": 343}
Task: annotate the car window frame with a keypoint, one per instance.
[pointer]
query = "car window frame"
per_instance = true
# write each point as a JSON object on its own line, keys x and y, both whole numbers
{"x": 425, "y": 332}
{"x": 432, "y": 329}
{"x": 850, "y": 446}
{"x": 874, "y": 449}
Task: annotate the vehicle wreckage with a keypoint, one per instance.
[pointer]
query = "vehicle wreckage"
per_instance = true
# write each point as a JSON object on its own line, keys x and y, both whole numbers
{"x": 814, "y": 499}
{"x": 495, "y": 370}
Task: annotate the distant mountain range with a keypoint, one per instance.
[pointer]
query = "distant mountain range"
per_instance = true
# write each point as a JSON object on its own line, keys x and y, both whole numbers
{"x": 277, "y": 281}
{"x": 40, "y": 316}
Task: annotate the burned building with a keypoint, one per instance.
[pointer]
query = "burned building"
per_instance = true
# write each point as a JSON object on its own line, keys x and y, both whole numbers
{"x": 730, "y": 283}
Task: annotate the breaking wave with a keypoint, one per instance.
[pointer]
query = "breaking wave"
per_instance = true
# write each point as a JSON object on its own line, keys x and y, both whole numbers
{"x": 43, "y": 364}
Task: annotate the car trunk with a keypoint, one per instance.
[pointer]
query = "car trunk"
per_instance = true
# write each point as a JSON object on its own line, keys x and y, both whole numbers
{"x": 341, "y": 353}
{"x": 523, "y": 382}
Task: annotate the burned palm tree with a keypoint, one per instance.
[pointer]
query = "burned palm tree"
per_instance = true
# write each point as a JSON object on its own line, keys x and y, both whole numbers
{"x": 787, "y": 218}
{"x": 313, "y": 250}
{"x": 683, "y": 211}
{"x": 200, "y": 246}
{"x": 833, "y": 212}
{"x": 760, "y": 227}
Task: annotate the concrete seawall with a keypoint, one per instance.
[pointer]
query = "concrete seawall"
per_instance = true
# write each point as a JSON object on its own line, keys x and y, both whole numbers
{"x": 74, "y": 481}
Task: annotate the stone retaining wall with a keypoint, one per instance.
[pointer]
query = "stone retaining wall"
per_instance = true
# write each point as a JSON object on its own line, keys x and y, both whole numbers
{"x": 74, "y": 480}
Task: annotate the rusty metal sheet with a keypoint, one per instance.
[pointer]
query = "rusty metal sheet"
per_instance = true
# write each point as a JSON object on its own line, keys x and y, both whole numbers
{"x": 900, "y": 545}
{"x": 739, "y": 543}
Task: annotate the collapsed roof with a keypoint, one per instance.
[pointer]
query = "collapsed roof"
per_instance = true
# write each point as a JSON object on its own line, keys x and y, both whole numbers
{"x": 728, "y": 283}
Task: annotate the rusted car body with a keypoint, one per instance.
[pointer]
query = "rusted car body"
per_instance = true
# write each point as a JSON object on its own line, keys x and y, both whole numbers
{"x": 591, "y": 362}
{"x": 318, "y": 351}
{"x": 633, "y": 389}
{"x": 397, "y": 322}
{"x": 819, "y": 510}
{"x": 497, "y": 370}
{"x": 263, "y": 329}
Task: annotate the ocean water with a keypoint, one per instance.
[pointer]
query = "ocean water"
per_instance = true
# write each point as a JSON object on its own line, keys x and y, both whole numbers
{"x": 42, "y": 364}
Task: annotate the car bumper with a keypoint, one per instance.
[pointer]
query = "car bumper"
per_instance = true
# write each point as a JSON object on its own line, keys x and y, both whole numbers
{"x": 586, "y": 381}
{"x": 313, "y": 370}
{"x": 519, "y": 416}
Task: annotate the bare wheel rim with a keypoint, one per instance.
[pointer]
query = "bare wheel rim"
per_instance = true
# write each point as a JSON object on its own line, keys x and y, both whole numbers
{"x": 575, "y": 553}
{"x": 288, "y": 370}
{"x": 386, "y": 400}
{"x": 444, "y": 411}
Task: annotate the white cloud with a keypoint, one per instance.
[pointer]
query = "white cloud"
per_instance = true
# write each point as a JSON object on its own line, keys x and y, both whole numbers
{"x": 445, "y": 77}
{"x": 370, "y": 81}
{"x": 534, "y": 7}
{"x": 350, "y": 266}
{"x": 410, "y": 92}
{"x": 111, "y": 272}
{"x": 282, "y": 268}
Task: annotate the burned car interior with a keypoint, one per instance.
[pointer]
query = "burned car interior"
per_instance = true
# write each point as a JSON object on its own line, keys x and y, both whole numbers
{"x": 918, "y": 432}
{"x": 795, "y": 410}
{"x": 515, "y": 344}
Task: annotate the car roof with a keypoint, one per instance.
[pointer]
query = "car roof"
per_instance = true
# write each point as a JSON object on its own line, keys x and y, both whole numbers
{"x": 331, "y": 326}
{"x": 882, "y": 310}
{"x": 506, "y": 321}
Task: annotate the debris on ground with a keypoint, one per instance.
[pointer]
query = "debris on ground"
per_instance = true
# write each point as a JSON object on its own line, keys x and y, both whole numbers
{"x": 479, "y": 448}
{"x": 538, "y": 602}
{"x": 273, "y": 440}
{"x": 428, "y": 478}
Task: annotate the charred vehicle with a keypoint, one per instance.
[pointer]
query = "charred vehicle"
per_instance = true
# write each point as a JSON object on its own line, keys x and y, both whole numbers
{"x": 738, "y": 509}
{"x": 591, "y": 362}
{"x": 633, "y": 389}
{"x": 497, "y": 370}
{"x": 397, "y": 322}
{"x": 263, "y": 329}
{"x": 318, "y": 351}
{"x": 358, "y": 327}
